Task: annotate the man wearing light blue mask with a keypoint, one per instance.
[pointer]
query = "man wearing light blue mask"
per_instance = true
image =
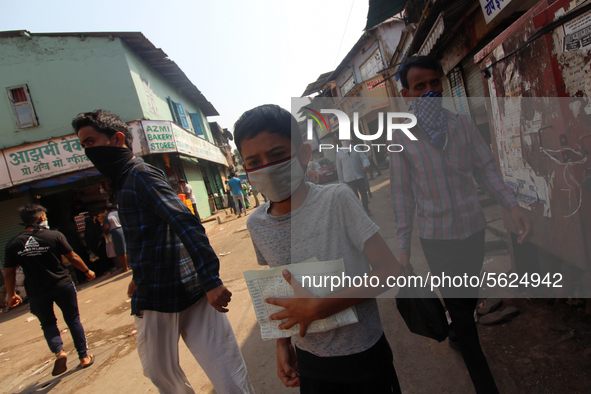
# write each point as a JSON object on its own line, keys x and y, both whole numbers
{"x": 436, "y": 175}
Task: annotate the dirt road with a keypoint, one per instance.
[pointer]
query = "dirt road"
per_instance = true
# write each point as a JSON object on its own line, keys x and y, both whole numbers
{"x": 423, "y": 365}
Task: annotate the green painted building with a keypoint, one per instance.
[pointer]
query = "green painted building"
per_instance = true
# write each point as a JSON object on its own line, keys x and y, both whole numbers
{"x": 48, "y": 78}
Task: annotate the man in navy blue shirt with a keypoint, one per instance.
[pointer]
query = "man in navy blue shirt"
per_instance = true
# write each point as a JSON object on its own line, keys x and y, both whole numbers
{"x": 174, "y": 267}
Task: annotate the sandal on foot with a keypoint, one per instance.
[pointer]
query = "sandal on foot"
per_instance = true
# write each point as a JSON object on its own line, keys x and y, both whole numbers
{"x": 499, "y": 317}
{"x": 90, "y": 363}
{"x": 490, "y": 305}
{"x": 60, "y": 366}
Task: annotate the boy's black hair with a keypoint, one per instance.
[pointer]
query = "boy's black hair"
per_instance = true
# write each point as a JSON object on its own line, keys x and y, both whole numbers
{"x": 269, "y": 117}
{"x": 104, "y": 122}
{"x": 426, "y": 62}
{"x": 31, "y": 212}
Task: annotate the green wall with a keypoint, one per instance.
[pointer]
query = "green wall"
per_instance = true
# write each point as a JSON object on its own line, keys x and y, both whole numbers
{"x": 161, "y": 89}
{"x": 66, "y": 76}
{"x": 195, "y": 180}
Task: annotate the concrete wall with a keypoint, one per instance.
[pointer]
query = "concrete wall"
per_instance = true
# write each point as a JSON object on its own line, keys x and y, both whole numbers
{"x": 66, "y": 76}
{"x": 390, "y": 34}
{"x": 161, "y": 89}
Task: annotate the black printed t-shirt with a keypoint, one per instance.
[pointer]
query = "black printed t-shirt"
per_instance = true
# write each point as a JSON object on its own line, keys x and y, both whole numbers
{"x": 39, "y": 253}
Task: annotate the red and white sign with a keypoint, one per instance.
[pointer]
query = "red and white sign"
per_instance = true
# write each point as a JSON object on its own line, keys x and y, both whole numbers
{"x": 376, "y": 84}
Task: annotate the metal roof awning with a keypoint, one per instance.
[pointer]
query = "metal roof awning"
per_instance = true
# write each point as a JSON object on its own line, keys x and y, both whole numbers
{"x": 60, "y": 179}
{"x": 380, "y": 10}
{"x": 317, "y": 86}
{"x": 433, "y": 36}
{"x": 189, "y": 159}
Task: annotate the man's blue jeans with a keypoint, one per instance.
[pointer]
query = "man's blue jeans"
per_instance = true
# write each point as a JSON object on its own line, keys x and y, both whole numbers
{"x": 66, "y": 299}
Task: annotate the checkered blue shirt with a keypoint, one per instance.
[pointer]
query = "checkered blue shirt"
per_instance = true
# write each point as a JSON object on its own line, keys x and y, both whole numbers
{"x": 172, "y": 261}
{"x": 440, "y": 183}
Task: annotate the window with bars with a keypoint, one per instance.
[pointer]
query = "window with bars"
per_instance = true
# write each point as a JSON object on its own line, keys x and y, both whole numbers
{"x": 22, "y": 106}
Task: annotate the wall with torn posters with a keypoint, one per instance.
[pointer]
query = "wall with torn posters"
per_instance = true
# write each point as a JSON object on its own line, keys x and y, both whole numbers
{"x": 540, "y": 112}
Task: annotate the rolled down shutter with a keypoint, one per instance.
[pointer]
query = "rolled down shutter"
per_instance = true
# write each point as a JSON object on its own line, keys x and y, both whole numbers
{"x": 10, "y": 220}
{"x": 458, "y": 89}
{"x": 474, "y": 86}
{"x": 195, "y": 180}
{"x": 448, "y": 101}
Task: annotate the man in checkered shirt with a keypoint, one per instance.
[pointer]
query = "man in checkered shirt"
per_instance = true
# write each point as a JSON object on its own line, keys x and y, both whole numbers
{"x": 436, "y": 175}
{"x": 176, "y": 289}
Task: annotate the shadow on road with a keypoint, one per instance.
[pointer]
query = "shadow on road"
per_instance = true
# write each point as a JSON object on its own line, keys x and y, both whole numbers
{"x": 46, "y": 386}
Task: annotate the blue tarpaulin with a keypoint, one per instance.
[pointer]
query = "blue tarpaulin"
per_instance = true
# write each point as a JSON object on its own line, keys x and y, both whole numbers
{"x": 59, "y": 180}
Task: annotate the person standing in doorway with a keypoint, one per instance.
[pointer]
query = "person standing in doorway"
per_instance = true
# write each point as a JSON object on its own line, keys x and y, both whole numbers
{"x": 38, "y": 251}
{"x": 236, "y": 187}
{"x": 188, "y": 191}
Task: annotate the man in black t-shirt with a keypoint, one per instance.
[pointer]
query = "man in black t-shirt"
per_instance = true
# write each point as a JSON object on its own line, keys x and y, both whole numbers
{"x": 38, "y": 251}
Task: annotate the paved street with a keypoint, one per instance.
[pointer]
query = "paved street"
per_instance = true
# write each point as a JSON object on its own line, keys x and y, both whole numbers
{"x": 423, "y": 365}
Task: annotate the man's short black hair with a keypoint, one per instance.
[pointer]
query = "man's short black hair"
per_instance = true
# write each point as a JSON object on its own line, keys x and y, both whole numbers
{"x": 182, "y": 181}
{"x": 270, "y": 118}
{"x": 104, "y": 122}
{"x": 31, "y": 212}
{"x": 426, "y": 62}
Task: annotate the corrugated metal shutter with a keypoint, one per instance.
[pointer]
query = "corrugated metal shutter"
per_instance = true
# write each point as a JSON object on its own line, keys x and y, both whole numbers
{"x": 473, "y": 84}
{"x": 448, "y": 102}
{"x": 458, "y": 90}
{"x": 195, "y": 180}
{"x": 10, "y": 220}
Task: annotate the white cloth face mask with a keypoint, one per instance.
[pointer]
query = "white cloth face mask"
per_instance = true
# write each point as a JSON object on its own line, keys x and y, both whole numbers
{"x": 277, "y": 181}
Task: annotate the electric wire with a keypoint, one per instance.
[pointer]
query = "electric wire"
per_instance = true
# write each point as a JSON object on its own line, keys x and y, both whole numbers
{"x": 343, "y": 37}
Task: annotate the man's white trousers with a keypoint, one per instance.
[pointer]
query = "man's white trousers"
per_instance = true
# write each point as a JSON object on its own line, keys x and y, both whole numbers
{"x": 210, "y": 338}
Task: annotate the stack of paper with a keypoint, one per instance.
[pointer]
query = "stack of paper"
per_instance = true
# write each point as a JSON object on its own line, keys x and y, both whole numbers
{"x": 269, "y": 283}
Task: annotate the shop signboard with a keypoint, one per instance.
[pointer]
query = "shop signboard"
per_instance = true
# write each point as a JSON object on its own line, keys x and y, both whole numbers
{"x": 167, "y": 137}
{"x": 45, "y": 159}
{"x": 190, "y": 144}
{"x": 4, "y": 176}
{"x": 159, "y": 136}
{"x": 376, "y": 89}
{"x": 492, "y": 8}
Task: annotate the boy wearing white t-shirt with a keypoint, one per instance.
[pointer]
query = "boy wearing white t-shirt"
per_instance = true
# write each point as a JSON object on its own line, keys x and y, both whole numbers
{"x": 302, "y": 221}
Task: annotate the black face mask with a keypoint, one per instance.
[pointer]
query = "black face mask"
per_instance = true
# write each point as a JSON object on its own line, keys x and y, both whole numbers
{"x": 109, "y": 160}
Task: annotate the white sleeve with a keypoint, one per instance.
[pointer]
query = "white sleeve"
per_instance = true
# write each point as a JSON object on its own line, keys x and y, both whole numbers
{"x": 364, "y": 160}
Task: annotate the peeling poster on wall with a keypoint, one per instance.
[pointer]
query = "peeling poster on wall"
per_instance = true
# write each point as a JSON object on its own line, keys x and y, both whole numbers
{"x": 577, "y": 33}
